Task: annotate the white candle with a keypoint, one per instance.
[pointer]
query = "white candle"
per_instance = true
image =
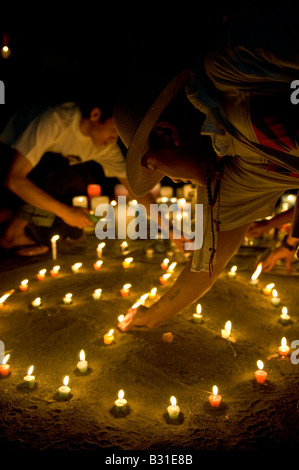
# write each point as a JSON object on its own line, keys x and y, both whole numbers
{"x": 100, "y": 249}
{"x": 121, "y": 402}
{"x": 173, "y": 410}
{"x": 29, "y": 379}
{"x": 232, "y": 273}
{"x": 54, "y": 246}
{"x": 80, "y": 201}
{"x": 197, "y": 317}
{"x": 275, "y": 301}
{"x": 284, "y": 317}
{"x": 64, "y": 390}
{"x": 36, "y": 302}
{"x": 82, "y": 365}
{"x": 255, "y": 275}
{"x": 227, "y": 329}
{"x": 76, "y": 267}
{"x": 97, "y": 294}
{"x": 67, "y": 299}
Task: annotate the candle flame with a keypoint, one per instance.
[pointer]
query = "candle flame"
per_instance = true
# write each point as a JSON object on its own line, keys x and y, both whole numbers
{"x": 77, "y": 265}
{"x": 198, "y": 308}
{"x": 233, "y": 269}
{"x": 99, "y": 263}
{"x": 171, "y": 267}
{"x": 166, "y": 276}
{"x": 54, "y": 238}
{"x": 136, "y": 304}
{"x": 6, "y": 359}
{"x": 228, "y": 325}
{"x": 82, "y": 355}
{"x": 42, "y": 271}
{"x": 110, "y": 332}
{"x": 215, "y": 390}
{"x": 113, "y": 203}
{"x": 166, "y": 261}
{"x": 121, "y": 395}
{"x": 124, "y": 244}
{"x": 128, "y": 260}
{"x": 56, "y": 268}
{"x": 154, "y": 291}
{"x": 5, "y": 296}
{"x": 98, "y": 291}
{"x": 274, "y": 293}
{"x": 270, "y": 286}
{"x": 66, "y": 381}
{"x": 121, "y": 318}
{"x": 68, "y": 296}
{"x": 257, "y": 272}
{"x": 173, "y": 401}
{"x": 101, "y": 245}
{"x": 127, "y": 286}
{"x": 143, "y": 297}
{"x": 24, "y": 283}
{"x": 283, "y": 342}
{"x": 260, "y": 365}
{"x": 284, "y": 310}
{"x": 30, "y": 370}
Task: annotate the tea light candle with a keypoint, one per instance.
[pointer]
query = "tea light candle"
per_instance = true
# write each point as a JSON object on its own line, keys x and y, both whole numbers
{"x": 275, "y": 300}
{"x": 67, "y": 299}
{"x": 284, "y": 348}
{"x": 108, "y": 337}
{"x": 284, "y": 318}
{"x": 4, "y": 367}
{"x": 197, "y": 317}
{"x": 121, "y": 318}
{"x": 36, "y": 302}
{"x": 97, "y": 294}
{"x": 255, "y": 275}
{"x": 41, "y": 274}
{"x": 121, "y": 402}
{"x": 125, "y": 290}
{"x": 123, "y": 247}
{"x": 163, "y": 279}
{"x": 260, "y": 374}
{"x": 152, "y": 294}
{"x": 76, "y": 267}
{"x": 82, "y": 365}
{"x": 54, "y": 246}
{"x": 173, "y": 410}
{"x": 93, "y": 190}
{"x": 227, "y": 329}
{"x": 127, "y": 262}
{"x": 100, "y": 249}
{"x": 164, "y": 264}
{"x": 232, "y": 273}
{"x": 97, "y": 265}
{"x": 268, "y": 289}
{"x": 24, "y": 285}
{"x": 64, "y": 390}
{"x": 170, "y": 268}
{"x": 29, "y": 379}
{"x": 214, "y": 398}
{"x": 55, "y": 271}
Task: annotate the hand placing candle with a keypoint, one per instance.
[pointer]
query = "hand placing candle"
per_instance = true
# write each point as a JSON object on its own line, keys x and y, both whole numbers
{"x": 29, "y": 379}
{"x": 41, "y": 274}
{"x": 108, "y": 337}
{"x": 82, "y": 365}
{"x": 260, "y": 374}
{"x": 64, "y": 390}
{"x": 173, "y": 410}
{"x": 284, "y": 349}
{"x": 4, "y": 367}
{"x": 214, "y": 398}
{"x": 24, "y": 285}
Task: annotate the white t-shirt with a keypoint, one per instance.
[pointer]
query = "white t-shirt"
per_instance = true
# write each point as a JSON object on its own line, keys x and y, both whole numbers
{"x": 57, "y": 130}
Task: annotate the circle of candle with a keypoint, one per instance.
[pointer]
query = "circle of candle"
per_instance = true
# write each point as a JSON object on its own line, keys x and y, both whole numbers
{"x": 125, "y": 290}
{"x": 164, "y": 264}
{"x": 29, "y": 379}
{"x": 214, "y": 398}
{"x": 36, "y": 302}
{"x": 67, "y": 299}
{"x": 64, "y": 390}
{"x": 121, "y": 402}
{"x": 54, "y": 246}
{"x": 284, "y": 348}
{"x": 100, "y": 249}
{"x": 232, "y": 273}
{"x": 76, "y": 267}
{"x": 4, "y": 367}
{"x": 163, "y": 279}
{"x": 55, "y": 271}
{"x": 255, "y": 275}
{"x": 97, "y": 294}
{"x": 284, "y": 318}
{"x": 82, "y": 365}
{"x": 275, "y": 300}
{"x": 127, "y": 262}
{"x": 173, "y": 410}
{"x": 97, "y": 265}
{"x": 260, "y": 374}
{"x": 227, "y": 329}
{"x": 24, "y": 285}
{"x": 268, "y": 289}
{"x": 197, "y": 317}
{"x": 108, "y": 337}
{"x": 41, "y": 274}
{"x": 152, "y": 294}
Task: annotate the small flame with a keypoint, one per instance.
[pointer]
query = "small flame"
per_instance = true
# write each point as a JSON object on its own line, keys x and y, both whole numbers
{"x": 166, "y": 276}
{"x": 42, "y": 272}
{"x": 260, "y": 365}
{"x": 99, "y": 263}
{"x": 110, "y": 332}
{"x": 128, "y": 260}
{"x": 215, "y": 390}
{"x": 171, "y": 267}
{"x": 56, "y": 268}
{"x": 77, "y": 265}
{"x": 173, "y": 401}
{"x": 113, "y": 203}
{"x": 283, "y": 342}
{"x": 274, "y": 293}
{"x": 127, "y": 286}
{"x": 98, "y": 291}
{"x": 24, "y": 283}
{"x": 198, "y": 308}
{"x": 284, "y": 310}
{"x": 228, "y": 325}
{"x": 6, "y": 359}
{"x": 5, "y": 296}
{"x": 30, "y": 370}
{"x": 165, "y": 261}
{"x": 55, "y": 238}
{"x": 233, "y": 269}
{"x": 136, "y": 305}
{"x": 257, "y": 272}
{"x": 82, "y": 355}
{"x": 68, "y": 296}
{"x": 101, "y": 245}
{"x": 124, "y": 244}
{"x": 270, "y": 286}
{"x": 121, "y": 318}
{"x": 66, "y": 381}
{"x": 143, "y": 298}
{"x": 121, "y": 395}
{"x": 154, "y": 291}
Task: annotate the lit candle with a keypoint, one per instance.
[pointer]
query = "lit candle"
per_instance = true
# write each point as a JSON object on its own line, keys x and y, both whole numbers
{"x": 4, "y": 367}
{"x": 108, "y": 337}
{"x": 5, "y": 52}
{"x": 227, "y": 329}
{"x": 275, "y": 301}
{"x": 64, "y": 390}
{"x": 100, "y": 249}
{"x": 67, "y": 299}
{"x": 127, "y": 262}
{"x": 97, "y": 265}
{"x": 93, "y": 190}
{"x": 125, "y": 290}
{"x": 255, "y": 275}
{"x": 150, "y": 252}
{"x": 170, "y": 269}
{"x": 54, "y": 246}
{"x": 164, "y": 264}
{"x": 167, "y": 337}
{"x": 76, "y": 267}
{"x": 173, "y": 410}
{"x": 284, "y": 348}
{"x": 24, "y": 285}
{"x": 268, "y": 289}
{"x": 121, "y": 318}
{"x": 121, "y": 402}
{"x": 214, "y": 398}
{"x": 152, "y": 294}
{"x": 80, "y": 201}
{"x": 55, "y": 271}
{"x": 284, "y": 318}
{"x": 4, "y": 297}
{"x": 143, "y": 298}
{"x": 163, "y": 279}
{"x": 29, "y": 379}
{"x": 36, "y": 302}
{"x": 260, "y": 374}
{"x": 123, "y": 247}
{"x": 232, "y": 273}
{"x": 197, "y": 317}
{"x": 41, "y": 274}
{"x": 82, "y": 365}
{"x": 97, "y": 294}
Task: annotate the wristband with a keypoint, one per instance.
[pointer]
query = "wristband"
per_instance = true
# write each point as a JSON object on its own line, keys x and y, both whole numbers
{"x": 286, "y": 245}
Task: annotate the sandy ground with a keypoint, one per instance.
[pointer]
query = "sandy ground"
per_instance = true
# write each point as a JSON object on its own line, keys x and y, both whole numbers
{"x": 251, "y": 416}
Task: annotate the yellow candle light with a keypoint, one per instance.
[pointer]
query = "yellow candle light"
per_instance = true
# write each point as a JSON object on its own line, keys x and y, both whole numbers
{"x": 285, "y": 318}
{"x": 173, "y": 410}
{"x": 227, "y": 330}
{"x": 121, "y": 318}
{"x": 127, "y": 262}
{"x": 97, "y": 294}
{"x": 197, "y": 317}
{"x": 100, "y": 249}
{"x": 260, "y": 374}
{"x": 36, "y": 302}
{"x": 214, "y": 398}
{"x": 255, "y": 275}
{"x": 124, "y": 246}
{"x": 108, "y": 337}
{"x": 232, "y": 273}
{"x": 275, "y": 301}
{"x": 5, "y": 296}
{"x": 121, "y": 402}
{"x": 171, "y": 268}
{"x": 55, "y": 271}
{"x": 82, "y": 365}
{"x": 268, "y": 289}
{"x": 41, "y": 274}
{"x": 54, "y": 246}
{"x": 76, "y": 267}
{"x": 164, "y": 264}
{"x": 152, "y": 294}
{"x": 163, "y": 279}
{"x": 125, "y": 290}
{"x": 284, "y": 348}
{"x": 64, "y": 390}
{"x": 29, "y": 379}
{"x": 97, "y": 265}
{"x": 4, "y": 367}
{"x": 67, "y": 299}
{"x": 24, "y": 285}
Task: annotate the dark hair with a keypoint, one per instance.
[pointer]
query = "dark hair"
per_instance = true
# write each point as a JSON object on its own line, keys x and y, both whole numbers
{"x": 106, "y": 107}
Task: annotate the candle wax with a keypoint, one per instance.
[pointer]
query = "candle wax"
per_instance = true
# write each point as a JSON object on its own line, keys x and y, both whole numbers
{"x": 108, "y": 339}
{"x": 173, "y": 411}
{"x": 120, "y": 404}
{"x": 82, "y": 366}
{"x": 29, "y": 380}
{"x": 260, "y": 376}
{"x": 64, "y": 391}
{"x": 215, "y": 400}
{"x": 4, "y": 369}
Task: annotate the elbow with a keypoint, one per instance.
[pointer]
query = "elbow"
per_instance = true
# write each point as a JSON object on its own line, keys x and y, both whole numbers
{"x": 11, "y": 183}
